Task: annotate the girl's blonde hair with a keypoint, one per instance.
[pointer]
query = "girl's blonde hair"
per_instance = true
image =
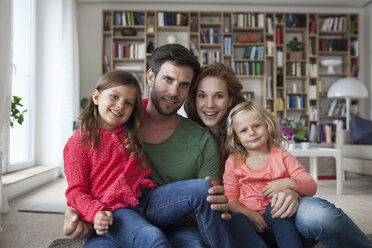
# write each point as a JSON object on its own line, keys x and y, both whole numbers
{"x": 275, "y": 137}
{"x": 88, "y": 118}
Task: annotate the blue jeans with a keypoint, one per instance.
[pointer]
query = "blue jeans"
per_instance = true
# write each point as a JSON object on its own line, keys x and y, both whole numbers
{"x": 281, "y": 232}
{"x": 162, "y": 209}
{"x": 317, "y": 220}
{"x": 320, "y": 221}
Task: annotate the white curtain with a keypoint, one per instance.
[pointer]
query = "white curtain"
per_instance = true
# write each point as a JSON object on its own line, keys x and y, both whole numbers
{"x": 5, "y": 86}
{"x": 70, "y": 71}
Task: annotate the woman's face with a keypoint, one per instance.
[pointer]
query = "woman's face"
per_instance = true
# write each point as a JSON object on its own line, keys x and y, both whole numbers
{"x": 212, "y": 101}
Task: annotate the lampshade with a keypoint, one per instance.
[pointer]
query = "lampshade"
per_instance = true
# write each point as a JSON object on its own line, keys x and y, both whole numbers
{"x": 348, "y": 87}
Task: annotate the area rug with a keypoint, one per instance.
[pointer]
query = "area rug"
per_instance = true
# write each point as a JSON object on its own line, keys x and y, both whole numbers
{"x": 52, "y": 208}
{"x": 69, "y": 243}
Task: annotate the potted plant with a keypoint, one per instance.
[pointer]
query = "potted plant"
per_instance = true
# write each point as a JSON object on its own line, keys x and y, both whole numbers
{"x": 16, "y": 115}
{"x": 296, "y": 47}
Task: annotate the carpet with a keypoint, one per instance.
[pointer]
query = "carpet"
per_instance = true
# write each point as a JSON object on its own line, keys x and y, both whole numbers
{"x": 49, "y": 207}
{"x": 69, "y": 243}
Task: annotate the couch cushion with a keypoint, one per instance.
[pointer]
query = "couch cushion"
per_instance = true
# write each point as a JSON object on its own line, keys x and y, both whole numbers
{"x": 357, "y": 151}
{"x": 361, "y": 130}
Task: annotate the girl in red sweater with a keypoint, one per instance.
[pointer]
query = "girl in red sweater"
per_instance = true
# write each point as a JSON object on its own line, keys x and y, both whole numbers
{"x": 257, "y": 169}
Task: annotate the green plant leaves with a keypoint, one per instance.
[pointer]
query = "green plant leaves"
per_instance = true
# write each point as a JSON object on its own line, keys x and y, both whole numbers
{"x": 15, "y": 114}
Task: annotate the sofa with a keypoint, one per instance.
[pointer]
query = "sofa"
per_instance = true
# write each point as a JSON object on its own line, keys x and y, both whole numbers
{"x": 355, "y": 157}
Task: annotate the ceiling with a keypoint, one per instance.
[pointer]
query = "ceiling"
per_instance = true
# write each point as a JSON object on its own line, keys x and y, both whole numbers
{"x": 293, "y": 3}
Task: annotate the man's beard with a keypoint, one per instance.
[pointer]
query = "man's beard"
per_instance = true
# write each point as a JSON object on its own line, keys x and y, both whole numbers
{"x": 156, "y": 102}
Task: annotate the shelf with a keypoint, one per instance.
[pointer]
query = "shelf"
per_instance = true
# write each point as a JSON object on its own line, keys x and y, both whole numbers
{"x": 312, "y": 37}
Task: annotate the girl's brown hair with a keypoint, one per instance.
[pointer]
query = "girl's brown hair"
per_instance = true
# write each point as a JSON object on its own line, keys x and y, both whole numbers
{"x": 275, "y": 137}
{"x": 88, "y": 119}
{"x": 234, "y": 89}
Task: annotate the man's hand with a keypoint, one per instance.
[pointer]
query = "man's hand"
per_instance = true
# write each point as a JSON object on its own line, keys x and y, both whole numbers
{"x": 278, "y": 185}
{"x": 102, "y": 221}
{"x": 218, "y": 199}
{"x": 74, "y": 227}
{"x": 284, "y": 204}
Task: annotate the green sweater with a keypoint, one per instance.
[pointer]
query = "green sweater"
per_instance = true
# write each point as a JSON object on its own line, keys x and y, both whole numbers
{"x": 189, "y": 153}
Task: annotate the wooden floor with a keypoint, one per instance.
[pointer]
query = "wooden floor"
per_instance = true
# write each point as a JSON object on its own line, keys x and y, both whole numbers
{"x": 33, "y": 230}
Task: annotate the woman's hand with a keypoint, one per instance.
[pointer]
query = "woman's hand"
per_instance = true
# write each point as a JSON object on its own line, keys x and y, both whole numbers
{"x": 74, "y": 227}
{"x": 278, "y": 185}
{"x": 218, "y": 199}
{"x": 102, "y": 222}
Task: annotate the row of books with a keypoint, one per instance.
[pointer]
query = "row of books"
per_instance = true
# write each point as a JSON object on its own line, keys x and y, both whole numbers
{"x": 295, "y": 20}
{"x": 248, "y": 20}
{"x": 254, "y": 52}
{"x": 353, "y": 26}
{"x": 337, "y": 108}
{"x": 313, "y": 70}
{"x": 354, "y": 50}
{"x": 334, "y": 23}
{"x": 296, "y": 101}
{"x": 172, "y": 19}
{"x": 269, "y": 25}
{"x": 128, "y": 50}
{"x": 279, "y": 104}
{"x": 249, "y": 68}
{"x": 322, "y": 133}
{"x": 312, "y": 27}
{"x": 331, "y": 45}
{"x": 354, "y": 71}
{"x": 227, "y": 45}
{"x": 211, "y": 35}
{"x": 313, "y": 113}
{"x": 210, "y": 57}
{"x": 297, "y": 69}
{"x": 127, "y": 18}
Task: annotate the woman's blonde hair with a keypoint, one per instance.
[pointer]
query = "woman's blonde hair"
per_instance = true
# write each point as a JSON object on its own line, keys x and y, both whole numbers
{"x": 88, "y": 119}
{"x": 233, "y": 145}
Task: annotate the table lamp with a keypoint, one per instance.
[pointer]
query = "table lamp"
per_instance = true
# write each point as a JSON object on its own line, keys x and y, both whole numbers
{"x": 347, "y": 88}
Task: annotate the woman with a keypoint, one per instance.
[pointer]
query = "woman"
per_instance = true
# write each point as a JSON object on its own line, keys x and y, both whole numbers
{"x": 215, "y": 92}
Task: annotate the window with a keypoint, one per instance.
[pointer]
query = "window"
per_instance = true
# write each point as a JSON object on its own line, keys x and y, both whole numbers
{"x": 21, "y": 136}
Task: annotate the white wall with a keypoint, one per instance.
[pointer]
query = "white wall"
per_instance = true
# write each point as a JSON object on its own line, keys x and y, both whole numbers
{"x": 47, "y": 145}
{"x": 90, "y": 36}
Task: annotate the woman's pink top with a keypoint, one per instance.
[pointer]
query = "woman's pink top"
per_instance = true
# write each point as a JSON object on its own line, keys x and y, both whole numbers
{"x": 105, "y": 178}
{"x": 245, "y": 185}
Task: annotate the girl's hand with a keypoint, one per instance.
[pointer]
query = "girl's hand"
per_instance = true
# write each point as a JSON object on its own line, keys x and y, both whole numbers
{"x": 278, "y": 185}
{"x": 102, "y": 221}
{"x": 258, "y": 221}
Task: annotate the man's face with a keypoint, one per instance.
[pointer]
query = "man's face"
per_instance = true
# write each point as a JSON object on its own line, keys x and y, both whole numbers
{"x": 170, "y": 87}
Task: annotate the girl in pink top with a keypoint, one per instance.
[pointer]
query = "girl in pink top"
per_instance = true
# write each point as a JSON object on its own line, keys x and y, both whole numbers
{"x": 258, "y": 169}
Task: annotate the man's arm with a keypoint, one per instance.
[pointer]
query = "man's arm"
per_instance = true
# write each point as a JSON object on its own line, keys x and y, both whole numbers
{"x": 74, "y": 227}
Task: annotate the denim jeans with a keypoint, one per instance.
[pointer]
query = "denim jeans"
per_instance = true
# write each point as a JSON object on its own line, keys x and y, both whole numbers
{"x": 163, "y": 208}
{"x": 284, "y": 230}
{"x": 319, "y": 220}
{"x": 281, "y": 232}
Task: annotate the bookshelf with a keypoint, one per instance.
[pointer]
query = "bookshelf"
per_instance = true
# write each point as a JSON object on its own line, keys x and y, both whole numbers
{"x": 254, "y": 44}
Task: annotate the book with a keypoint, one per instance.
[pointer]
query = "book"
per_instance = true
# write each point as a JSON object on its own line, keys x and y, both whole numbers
{"x": 106, "y": 62}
